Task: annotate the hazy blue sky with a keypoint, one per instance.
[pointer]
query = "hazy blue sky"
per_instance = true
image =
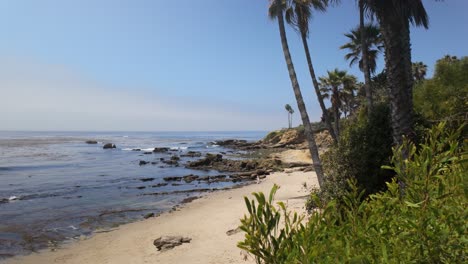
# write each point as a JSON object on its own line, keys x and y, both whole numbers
{"x": 174, "y": 65}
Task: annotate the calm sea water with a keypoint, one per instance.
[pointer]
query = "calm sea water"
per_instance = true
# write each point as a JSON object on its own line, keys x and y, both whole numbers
{"x": 55, "y": 187}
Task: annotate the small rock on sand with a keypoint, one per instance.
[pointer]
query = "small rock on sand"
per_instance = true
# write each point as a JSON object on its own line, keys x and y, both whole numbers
{"x": 168, "y": 242}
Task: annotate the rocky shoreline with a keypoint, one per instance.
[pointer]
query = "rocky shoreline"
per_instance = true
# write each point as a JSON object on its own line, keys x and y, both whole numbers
{"x": 231, "y": 164}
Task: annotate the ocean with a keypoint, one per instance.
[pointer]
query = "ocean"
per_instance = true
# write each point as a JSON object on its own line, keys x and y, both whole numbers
{"x": 54, "y": 187}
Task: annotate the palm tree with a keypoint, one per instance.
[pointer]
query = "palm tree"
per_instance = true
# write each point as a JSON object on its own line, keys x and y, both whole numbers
{"x": 365, "y": 57}
{"x": 354, "y": 47}
{"x": 331, "y": 87}
{"x": 290, "y": 111}
{"x": 419, "y": 71}
{"x": 394, "y": 17}
{"x": 350, "y": 85}
{"x": 298, "y": 15}
{"x": 276, "y": 11}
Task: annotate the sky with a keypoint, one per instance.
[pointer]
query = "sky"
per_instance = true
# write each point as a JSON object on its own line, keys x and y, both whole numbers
{"x": 153, "y": 65}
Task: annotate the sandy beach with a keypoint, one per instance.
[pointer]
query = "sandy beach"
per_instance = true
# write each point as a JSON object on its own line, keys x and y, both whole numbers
{"x": 205, "y": 220}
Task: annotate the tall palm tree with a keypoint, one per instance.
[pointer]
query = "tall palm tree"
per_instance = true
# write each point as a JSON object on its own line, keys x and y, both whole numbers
{"x": 354, "y": 47}
{"x": 332, "y": 87}
{"x": 365, "y": 57}
{"x": 290, "y": 111}
{"x": 394, "y": 17}
{"x": 276, "y": 11}
{"x": 298, "y": 15}
{"x": 419, "y": 71}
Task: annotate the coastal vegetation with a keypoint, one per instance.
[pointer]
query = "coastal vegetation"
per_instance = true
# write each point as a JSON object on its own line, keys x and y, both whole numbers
{"x": 392, "y": 187}
{"x": 423, "y": 223}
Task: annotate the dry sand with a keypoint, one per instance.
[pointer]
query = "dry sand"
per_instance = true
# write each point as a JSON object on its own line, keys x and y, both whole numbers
{"x": 205, "y": 220}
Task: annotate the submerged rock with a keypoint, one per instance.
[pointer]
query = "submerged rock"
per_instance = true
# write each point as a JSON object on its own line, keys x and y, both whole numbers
{"x": 146, "y": 179}
{"x": 142, "y": 162}
{"x": 168, "y": 242}
{"x": 109, "y": 146}
{"x": 175, "y": 178}
{"x": 91, "y": 142}
{"x": 171, "y": 162}
{"x": 190, "y": 178}
{"x": 159, "y": 185}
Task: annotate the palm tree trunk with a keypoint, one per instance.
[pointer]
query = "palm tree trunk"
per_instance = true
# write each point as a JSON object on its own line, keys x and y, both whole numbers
{"x": 317, "y": 89}
{"x": 396, "y": 35}
{"x": 365, "y": 59}
{"x": 300, "y": 102}
{"x": 336, "y": 111}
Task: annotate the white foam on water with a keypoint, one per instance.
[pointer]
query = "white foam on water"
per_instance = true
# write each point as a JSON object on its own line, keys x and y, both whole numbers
{"x": 12, "y": 198}
{"x": 179, "y": 148}
{"x": 126, "y": 149}
{"x": 147, "y": 149}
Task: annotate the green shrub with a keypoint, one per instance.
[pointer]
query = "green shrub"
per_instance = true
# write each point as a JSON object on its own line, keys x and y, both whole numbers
{"x": 264, "y": 238}
{"x": 364, "y": 145}
{"x": 420, "y": 221}
{"x": 445, "y": 96}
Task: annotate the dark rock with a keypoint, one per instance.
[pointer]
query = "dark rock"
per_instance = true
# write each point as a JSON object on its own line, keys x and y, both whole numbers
{"x": 109, "y": 146}
{"x": 159, "y": 185}
{"x": 207, "y": 161}
{"x": 91, "y": 142}
{"x": 192, "y": 154}
{"x": 154, "y": 162}
{"x": 141, "y": 187}
{"x": 190, "y": 178}
{"x": 168, "y": 242}
{"x": 189, "y": 199}
{"x": 176, "y": 158}
{"x": 160, "y": 150}
{"x": 147, "y": 152}
{"x": 142, "y": 162}
{"x": 148, "y": 215}
{"x": 261, "y": 172}
{"x": 171, "y": 162}
{"x": 146, "y": 179}
{"x": 233, "y": 231}
{"x": 161, "y": 159}
{"x": 172, "y": 178}
{"x": 230, "y": 142}
{"x": 137, "y": 149}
